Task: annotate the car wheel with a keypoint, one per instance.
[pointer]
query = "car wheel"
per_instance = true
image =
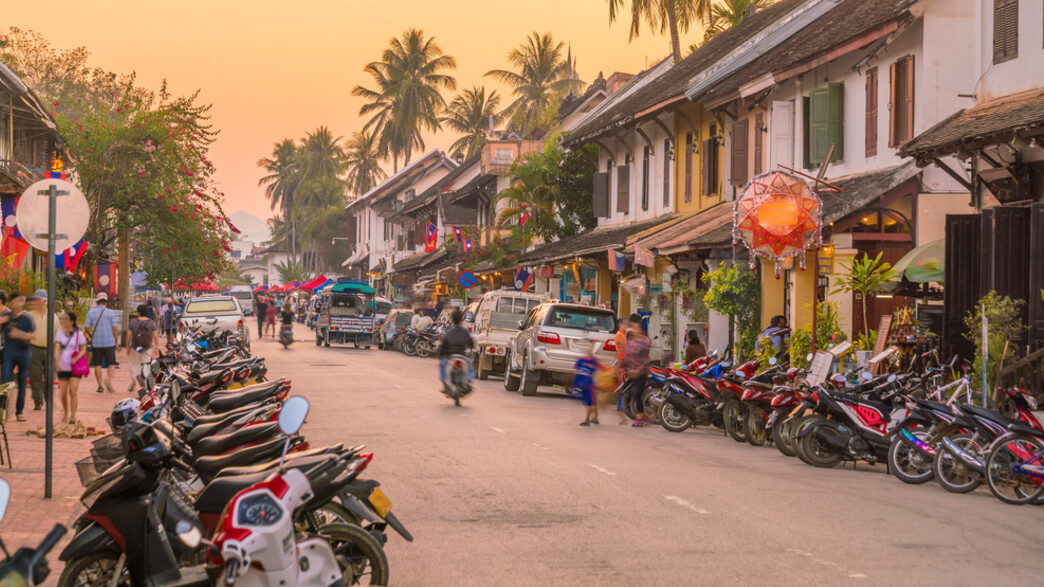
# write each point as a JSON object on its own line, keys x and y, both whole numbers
{"x": 326, "y": 339}
{"x": 511, "y": 381}
{"x": 480, "y": 372}
{"x": 530, "y": 380}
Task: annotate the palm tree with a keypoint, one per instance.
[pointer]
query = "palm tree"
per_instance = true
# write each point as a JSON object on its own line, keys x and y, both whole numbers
{"x": 541, "y": 78}
{"x": 281, "y": 183}
{"x": 469, "y": 114}
{"x": 729, "y": 13}
{"x": 665, "y": 15}
{"x": 320, "y": 156}
{"x": 407, "y": 99}
{"x": 363, "y": 161}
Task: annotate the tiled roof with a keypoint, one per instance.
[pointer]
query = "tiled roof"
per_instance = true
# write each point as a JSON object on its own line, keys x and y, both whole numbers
{"x": 847, "y": 21}
{"x": 1014, "y": 113}
{"x": 428, "y": 196}
{"x": 406, "y": 172}
{"x": 588, "y": 242}
{"x": 571, "y": 102}
{"x": 418, "y": 261}
{"x": 692, "y": 227}
{"x": 672, "y": 84}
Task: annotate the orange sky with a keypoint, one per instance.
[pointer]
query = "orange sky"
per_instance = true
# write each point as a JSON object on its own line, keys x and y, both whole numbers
{"x": 279, "y": 68}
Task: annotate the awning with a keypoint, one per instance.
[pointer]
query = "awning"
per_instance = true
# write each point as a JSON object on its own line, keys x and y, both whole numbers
{"x": 359, "y": 254}
{"x": 988, "y": 123}
{"x": 676, "y": 236}
{"x": 310, "y": 285}
{"x": 925, "y": 263}
{"x": 596, "y": 240}
{"x": 418, "y": 261}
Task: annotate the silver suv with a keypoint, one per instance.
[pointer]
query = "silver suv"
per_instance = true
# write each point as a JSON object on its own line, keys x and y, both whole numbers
{"x": 550, "y": 340}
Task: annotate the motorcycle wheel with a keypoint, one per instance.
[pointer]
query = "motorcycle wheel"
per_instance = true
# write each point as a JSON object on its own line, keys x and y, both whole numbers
{"x": 409, "y": 347}
{"x": 781, "y": 437}
{"x": 423, "y": 349}
{"x": 733, "y": 414}
{"x": 949, "y": 471}
{"x": 757, "y": 434}
{"x": 651, "y": 401}
{"x": 817, "y": 454}
{"x": 360, "y": 556}
{"x": 795, "y": 429}
{"x": 673, "y": 420}
{"x": 1004, "y": 481}
{"x": 907, "y": 463}
{"x": 94, "y": 569}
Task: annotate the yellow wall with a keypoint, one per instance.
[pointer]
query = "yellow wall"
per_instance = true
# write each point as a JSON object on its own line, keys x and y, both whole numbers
{"x": 771, "y": 293}
{"x": 703, "y": 120}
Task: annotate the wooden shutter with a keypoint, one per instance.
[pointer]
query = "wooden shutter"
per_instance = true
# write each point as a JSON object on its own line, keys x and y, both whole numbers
{"x": 666, "y": 174}
{"x": 817, "y": 110}
{"x": 623, "y": 183}
{"x": 836, "y": 120}
{"x": 1005, "y": 30}
{"x": 908, "y": 99}
{"x": 781, "y": 151}
{"x": 706, "y": 167}
{"x": 871, "y": 112}
{"x": 352, "y": 228}
{"x": 740, "y": 155}
{"x": 645, "y": 178}
{"x": 601, "y": 195}
{"x": 759, "y": 124}
{"x": 688, "y": 167}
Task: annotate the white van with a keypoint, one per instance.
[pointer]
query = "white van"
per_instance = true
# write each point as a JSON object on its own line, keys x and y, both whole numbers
{"x": 245, "y": 295}
{"x": 495, "y": 322}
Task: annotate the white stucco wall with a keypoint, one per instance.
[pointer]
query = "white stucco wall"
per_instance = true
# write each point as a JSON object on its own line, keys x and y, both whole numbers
{"x": 1025, "y": 72}
{"x": 634, "y": 145}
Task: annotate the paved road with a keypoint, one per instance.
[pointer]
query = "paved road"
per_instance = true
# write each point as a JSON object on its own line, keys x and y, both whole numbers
{"x": 509, "y": 490}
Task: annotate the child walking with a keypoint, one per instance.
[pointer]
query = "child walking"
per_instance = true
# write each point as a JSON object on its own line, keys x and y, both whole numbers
{"x": 583, "y": 384}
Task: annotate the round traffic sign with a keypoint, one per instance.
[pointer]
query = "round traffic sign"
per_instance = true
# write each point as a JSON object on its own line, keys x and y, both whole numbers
{"x": 72, "y": 214}
{"x": 467, "y": 279}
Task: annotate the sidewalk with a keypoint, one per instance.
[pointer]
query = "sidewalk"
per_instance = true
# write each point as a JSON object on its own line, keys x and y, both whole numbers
{"x": 29, "y": 516}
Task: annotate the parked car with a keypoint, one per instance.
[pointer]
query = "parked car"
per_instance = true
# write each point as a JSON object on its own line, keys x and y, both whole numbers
{"x": 396, "y": 320}
{"x": 215, "y": 313}
{"x": 550, "y": 340}
{"x": 245, "y": 295}
{"x": 495, "y": 323}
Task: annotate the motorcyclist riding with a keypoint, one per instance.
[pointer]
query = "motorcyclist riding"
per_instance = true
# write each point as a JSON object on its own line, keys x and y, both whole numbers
{"x": 455, "y": 341}
{"x": 286, "y": 333}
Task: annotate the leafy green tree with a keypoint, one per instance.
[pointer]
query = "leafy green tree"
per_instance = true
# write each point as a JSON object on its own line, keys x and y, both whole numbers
{"x": 733, "y": 291}
{"x": 670, "y": 16}
{"x": 407, "y": 97}
{"x": 541, "y": 77}
{"x": 469, "y": 114}
{"x": 1004, "y": 327}
{"x": 290, "y": 271}
{"x": 726, "y": 14}
{"x": 554, "y": 187}
{"x": 363, "y": 161}
{"x": 865, "y": 277}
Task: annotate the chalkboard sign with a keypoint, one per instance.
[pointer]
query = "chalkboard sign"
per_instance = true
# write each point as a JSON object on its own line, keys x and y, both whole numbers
{"x": 884, "y": 331}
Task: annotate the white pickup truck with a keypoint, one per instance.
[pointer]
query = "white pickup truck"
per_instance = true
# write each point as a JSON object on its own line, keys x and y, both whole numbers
{"x": 495, "y": 324}
{"x": 221, "y": 313}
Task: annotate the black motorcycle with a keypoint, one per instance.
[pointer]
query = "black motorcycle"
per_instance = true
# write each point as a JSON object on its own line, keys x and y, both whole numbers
{"x": 28, "y": 566}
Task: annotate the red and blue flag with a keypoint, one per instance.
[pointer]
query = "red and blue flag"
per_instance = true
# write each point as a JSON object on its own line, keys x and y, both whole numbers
{"x": 467, "y": 245}
{"x": 523, "y": 279}
{"x": 431, "y": 238}
{"x": 8, "y": 208}
{"x": 458, "y": 234}
{"x": 70, "y": 258}
{"x": 524, "y": 216}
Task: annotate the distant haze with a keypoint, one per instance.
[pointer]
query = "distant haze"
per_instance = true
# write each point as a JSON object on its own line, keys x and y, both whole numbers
{"x": 252, "y": 229}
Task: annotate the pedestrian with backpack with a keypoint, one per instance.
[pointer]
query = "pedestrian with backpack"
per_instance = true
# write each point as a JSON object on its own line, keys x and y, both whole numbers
{"x": 142, "y": 333}
{"x": 103, "y": 335}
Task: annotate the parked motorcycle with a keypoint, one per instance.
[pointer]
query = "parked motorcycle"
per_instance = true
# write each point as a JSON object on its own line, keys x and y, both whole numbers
{"x": 28, "y": 566}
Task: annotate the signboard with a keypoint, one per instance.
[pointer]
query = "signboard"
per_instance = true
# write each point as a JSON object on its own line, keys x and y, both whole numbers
{"x": 820, "y": 368}
{"x": 72, "y": 213}
{"x": 884, "y": 330}
{"x": 467, "y": 279}
{"x": 826, "y": 260}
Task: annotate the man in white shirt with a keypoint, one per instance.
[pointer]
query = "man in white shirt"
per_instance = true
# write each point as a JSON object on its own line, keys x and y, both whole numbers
{"x": 424, "y": 321}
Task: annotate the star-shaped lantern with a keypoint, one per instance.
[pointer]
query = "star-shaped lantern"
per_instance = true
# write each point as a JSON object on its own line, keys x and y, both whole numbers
{"x": 778, "y": 215}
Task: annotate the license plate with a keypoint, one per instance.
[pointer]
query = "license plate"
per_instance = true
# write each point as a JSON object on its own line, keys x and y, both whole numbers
{"x": 380, "y": 502}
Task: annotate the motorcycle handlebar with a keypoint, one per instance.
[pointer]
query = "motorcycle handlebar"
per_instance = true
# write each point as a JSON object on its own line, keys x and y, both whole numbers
{"x": 47, "y": 544}
{"x": 230, "y": 572}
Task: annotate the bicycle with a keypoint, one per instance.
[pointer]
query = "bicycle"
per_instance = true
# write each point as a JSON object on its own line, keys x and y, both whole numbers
{"x": 1015, "y": 466}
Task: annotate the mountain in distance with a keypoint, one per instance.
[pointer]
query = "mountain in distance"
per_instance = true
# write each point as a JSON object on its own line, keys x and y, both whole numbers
{"x": 253, "y": 230}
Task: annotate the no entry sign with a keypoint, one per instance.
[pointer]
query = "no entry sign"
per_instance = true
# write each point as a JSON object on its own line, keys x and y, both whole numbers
{"x": 467, "y": 279}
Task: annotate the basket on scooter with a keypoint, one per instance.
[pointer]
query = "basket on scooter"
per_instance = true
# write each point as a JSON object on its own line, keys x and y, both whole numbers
{"x": 108, "y": 448}
{"x": 87, "y": 471}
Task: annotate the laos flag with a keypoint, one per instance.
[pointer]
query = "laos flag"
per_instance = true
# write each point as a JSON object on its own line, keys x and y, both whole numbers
{"x": 523, "y": 279}
{"x": 458, "y": 234}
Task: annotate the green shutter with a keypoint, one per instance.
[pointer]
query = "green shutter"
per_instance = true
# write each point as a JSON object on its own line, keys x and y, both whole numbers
{"x": 836, "y": 120}
{"x": 819, "y": 102}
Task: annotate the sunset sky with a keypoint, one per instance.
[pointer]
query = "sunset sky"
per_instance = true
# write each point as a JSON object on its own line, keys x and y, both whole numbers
{"x": 280, "y": 68}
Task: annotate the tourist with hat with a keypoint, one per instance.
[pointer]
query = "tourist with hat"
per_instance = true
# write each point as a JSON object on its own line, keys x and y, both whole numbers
{"x": 36, "y": 308}
{"x": 103, "y": 333}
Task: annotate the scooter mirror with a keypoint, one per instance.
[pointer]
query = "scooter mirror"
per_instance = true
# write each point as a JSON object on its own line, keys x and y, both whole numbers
{"x": 809, "y": 357}
{"x": 5, "y": 496}
{"x": 292, "y": 415}
{"x": 175, "y": 389}
{"x": 866, "y": 376}
{"x": 146, "y": 371}
{"x": 520, "y": 323}
{"x": 772, "y": 361}
{"x": 892, "y": 378}
{"x": 189, "y": 534}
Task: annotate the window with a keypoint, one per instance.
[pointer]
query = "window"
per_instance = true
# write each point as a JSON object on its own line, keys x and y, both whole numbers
{"x": 901, "y": 101}
{"x": 409, "y": 195}
{"x": 581, "y": 319}
{"x": 211, "y": 306}
{"x": 871, "y": 112}
{"x": 623, "y": 181}
{"x": 688, "y": 166}
{"x": 645, "y": 179}
{"x": 740, "y": 154}
{"x": 710, "y": 163}
{"x": 1005, "y": 30}
{"x": 666, "y": 173}
{"x": 826, "y": 123}
{"x": 759, "y": 142}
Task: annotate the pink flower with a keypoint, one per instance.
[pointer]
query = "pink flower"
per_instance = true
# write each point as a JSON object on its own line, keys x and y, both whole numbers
{"x": 79, "y": 127}
{"x": 173, "y": 208}
{"x": 161, "y": 197}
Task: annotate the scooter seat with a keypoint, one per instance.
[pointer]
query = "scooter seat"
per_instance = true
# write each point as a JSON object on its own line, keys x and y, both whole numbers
{"x": 224, "y": 401}
{"x": 216, "y": 444}
{"x": 208, "y": 377}
{"x": 216, "y": 422}
{"x": 208, "y": 467}
{"x": 216, "y": 495}
{"x": 240, "y": 363}
{"x": 271, "y": 465}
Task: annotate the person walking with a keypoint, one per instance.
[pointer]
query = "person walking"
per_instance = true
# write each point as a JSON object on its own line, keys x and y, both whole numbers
{"x": 583, "y": 383}
{"x": 170, "y": 319}
{"x": 151, "y": 310}
{"x": 18, "y": 332}
{"x": 270, "y": 316}
{"x": 36, "y": 309}
{"x": 636, "y": 359}
{"x": 261, "y": 307}
{"x": 70, "y": 346}
{"x": 142, "y": 335}
{"x": 104, "y": 336}
{"x": 620, "y": 340}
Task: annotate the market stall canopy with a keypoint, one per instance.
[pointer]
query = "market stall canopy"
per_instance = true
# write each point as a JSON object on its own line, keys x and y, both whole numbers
{"x": 925, "y": 263}
{"x": 310, "y": 285}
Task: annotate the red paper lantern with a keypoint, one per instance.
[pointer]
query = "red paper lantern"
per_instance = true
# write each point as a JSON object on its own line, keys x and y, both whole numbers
{"x": 778, "y": 215}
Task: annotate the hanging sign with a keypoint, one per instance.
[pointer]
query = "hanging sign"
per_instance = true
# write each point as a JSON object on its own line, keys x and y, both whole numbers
{"x": 778, "y": 216}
